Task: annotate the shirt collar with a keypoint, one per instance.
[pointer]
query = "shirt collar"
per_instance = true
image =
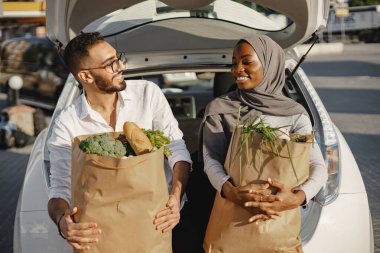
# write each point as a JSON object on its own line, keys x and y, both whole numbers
{"x": 86, "y": 109}
{"x": 124, "y": 95}
{"x": 84, "y": 106}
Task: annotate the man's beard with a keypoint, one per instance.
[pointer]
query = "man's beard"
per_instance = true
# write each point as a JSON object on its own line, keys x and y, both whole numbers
{"x": 108, "y": 86}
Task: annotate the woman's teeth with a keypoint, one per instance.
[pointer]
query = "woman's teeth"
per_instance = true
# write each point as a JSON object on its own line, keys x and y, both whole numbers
{"x": 242, "y": 78}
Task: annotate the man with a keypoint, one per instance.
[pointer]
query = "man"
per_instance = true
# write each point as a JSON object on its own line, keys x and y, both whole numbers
{"x": 106, "y": 103}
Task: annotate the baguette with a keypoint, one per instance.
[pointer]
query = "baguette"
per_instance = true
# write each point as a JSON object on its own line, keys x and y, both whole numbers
{"x": 136, "y": 137}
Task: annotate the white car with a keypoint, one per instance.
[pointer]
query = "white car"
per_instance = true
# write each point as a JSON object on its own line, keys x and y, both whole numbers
{"x": 197, "y": 37}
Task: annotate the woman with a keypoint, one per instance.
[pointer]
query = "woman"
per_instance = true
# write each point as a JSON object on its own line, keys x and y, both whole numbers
{"x": 258, "y": 67}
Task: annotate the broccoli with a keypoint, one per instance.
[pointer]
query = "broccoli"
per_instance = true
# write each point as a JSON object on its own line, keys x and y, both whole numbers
{"x": 103, "y": 145}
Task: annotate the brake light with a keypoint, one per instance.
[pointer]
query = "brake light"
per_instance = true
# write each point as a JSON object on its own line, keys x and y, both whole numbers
{"x": 329, "y": 146}
{"x": 329, "y": 192}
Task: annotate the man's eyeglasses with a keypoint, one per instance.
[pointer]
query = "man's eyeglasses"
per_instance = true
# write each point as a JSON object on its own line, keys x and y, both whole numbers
{"x": 115, "y": 66}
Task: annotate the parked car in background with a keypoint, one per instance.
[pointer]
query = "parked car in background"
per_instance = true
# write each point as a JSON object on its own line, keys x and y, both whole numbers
{"x": 36, "y": 60}
{"x": 186, "y": 48}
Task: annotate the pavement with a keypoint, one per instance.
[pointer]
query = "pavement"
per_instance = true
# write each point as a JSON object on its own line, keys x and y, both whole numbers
{"x": 13, "y": 164}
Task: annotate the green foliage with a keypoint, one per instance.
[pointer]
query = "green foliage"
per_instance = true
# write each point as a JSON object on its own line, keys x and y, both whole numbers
{"x": 158, "y": 139}
{"x": 363, "y": 2}
{"x": 270, "y": 139}
{"x": 302, "y": 138}
{"x": 103, "y": 145}
{"x": 258, "y": 126}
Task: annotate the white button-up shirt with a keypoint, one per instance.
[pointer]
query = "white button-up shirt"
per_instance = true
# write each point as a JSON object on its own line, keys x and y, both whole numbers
{"x": 141, "y": 102}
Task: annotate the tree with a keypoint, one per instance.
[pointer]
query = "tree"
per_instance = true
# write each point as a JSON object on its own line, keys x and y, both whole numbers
{"x": 363, "y": 2}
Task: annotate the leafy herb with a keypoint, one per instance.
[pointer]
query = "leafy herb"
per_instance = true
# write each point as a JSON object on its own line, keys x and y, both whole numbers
{"x": 269, "y": 134}
{"x": 158, "y": 139}
{"x": 270, "y": 139}
{"x": 302, "y": 138}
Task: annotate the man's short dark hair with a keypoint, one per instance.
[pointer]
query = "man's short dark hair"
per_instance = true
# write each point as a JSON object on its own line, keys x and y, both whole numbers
{"x": 78, "y": 47}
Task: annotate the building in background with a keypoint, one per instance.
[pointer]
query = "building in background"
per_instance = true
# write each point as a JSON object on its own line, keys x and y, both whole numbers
{"x": 26, "y": 52}
{"x": 357, "y": 23}
{"x": 18, "y": 18}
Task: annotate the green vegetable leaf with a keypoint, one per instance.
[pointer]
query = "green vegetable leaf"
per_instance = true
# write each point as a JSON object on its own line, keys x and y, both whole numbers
{"x": 158, "y": 139}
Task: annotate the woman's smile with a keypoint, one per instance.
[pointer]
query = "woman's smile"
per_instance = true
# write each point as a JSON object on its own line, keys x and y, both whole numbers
{"x": 246, "y": 67}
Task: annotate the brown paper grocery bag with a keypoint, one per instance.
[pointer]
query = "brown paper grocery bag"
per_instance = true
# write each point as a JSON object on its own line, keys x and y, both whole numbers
{"x": 122, "y": 196}
{"x": 228, "y": 229}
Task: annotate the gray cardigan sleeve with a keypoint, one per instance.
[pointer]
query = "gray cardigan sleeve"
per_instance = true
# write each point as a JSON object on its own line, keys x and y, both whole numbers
{"x": 318, "y": 170}
{"x": 215, "y": 145}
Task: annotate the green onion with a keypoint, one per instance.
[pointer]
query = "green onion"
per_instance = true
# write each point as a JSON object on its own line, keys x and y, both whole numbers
{"x": 269, "y": 139}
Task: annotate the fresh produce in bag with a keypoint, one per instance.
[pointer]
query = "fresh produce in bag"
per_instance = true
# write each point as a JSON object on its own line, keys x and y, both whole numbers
{"x": 133, "y": 141}
{"x": 256, "y": 153}
{"x": 121, "y": 188}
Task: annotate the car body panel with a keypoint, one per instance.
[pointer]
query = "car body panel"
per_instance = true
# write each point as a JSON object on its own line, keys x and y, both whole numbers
{"x": 330, "y": 236}
{"x": 38, "y": 234}
{"x": 34, "y": 231}
{"x": 67, "y": 18}
{"x": 35, "y": 178}
{"x": 351, "y": 180}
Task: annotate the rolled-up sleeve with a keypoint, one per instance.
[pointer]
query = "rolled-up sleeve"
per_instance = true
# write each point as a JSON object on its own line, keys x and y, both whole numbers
{"x": 179, "y": 153}
{"x": 59, "y": 146}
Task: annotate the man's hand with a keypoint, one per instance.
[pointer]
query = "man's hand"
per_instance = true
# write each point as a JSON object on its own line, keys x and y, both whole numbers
{"x": 166, "y": 219}
{"x": 78, "y": 235}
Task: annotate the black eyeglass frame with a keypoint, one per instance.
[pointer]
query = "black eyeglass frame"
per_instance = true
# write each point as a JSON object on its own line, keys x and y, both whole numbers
{"x": 114, "y": 66}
